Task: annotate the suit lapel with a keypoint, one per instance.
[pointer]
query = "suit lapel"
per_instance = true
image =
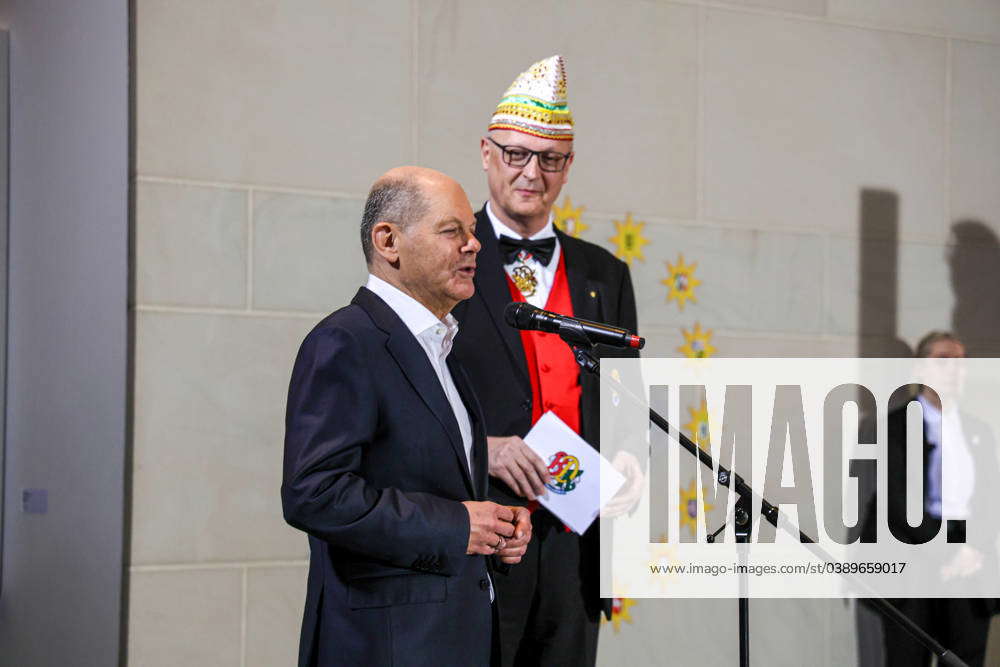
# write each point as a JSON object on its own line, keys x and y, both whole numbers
{"x": 413, "y": 361}
{"x": 491, "y": 287}
{"x": 480, "y": 454}
{"x": 584, "y": 293}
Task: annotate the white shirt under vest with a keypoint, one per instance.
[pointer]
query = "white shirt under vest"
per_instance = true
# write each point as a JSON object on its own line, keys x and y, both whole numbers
{"x": 546, "y": 274}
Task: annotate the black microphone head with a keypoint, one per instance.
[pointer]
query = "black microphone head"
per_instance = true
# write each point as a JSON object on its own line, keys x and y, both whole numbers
{"x": 518, "y": 314}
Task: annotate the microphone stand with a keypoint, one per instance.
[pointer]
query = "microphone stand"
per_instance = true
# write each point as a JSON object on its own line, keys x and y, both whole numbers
{"x": 583, "y": 352}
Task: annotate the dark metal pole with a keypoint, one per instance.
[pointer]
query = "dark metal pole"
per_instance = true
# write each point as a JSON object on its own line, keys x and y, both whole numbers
{"x": 743, "y": 527}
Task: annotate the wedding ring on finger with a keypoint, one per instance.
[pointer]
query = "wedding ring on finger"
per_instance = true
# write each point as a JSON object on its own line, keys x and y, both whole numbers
{"x": 501, "y": 543}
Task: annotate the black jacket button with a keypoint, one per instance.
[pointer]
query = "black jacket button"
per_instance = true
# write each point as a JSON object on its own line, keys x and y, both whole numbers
{"x": 484, "y": 584}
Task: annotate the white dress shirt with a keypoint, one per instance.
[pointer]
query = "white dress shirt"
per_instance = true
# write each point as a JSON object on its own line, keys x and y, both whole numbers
{"x": 954, "y": 460}
{"x": 435, "y": 337}
{"x": 546, "y": 274}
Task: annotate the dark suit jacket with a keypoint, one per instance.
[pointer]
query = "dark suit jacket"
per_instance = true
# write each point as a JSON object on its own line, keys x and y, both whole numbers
{"x": 981, "y": 445}
{"x": 375, "y": 473}
{"x": 491, "y": 351}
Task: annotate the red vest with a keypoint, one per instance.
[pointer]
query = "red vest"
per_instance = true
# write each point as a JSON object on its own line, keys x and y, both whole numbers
{"x": 554, "y": 374}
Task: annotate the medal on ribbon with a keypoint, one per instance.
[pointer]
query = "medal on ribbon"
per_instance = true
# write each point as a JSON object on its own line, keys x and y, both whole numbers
{"x": 525, "y": 279}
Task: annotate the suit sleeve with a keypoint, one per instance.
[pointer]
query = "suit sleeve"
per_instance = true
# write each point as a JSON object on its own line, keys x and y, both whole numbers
{"x": 628, "y": 424}
{"x": 622, "y": 313}
{"x": 332, "y": 416}
{"x": 626, "y": 303}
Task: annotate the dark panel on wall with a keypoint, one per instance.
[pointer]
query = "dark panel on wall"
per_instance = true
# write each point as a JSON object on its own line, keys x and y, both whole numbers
{"x": 67, "y": 332}
{"x": 4, "y": 173}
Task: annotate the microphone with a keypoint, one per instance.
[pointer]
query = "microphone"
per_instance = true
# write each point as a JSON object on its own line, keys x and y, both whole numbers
{"x": 521, "y": 315}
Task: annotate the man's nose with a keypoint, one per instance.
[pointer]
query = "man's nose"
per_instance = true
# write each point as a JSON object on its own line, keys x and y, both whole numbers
{"x": 473, "y": 244}
{"x": 530, "y": 169}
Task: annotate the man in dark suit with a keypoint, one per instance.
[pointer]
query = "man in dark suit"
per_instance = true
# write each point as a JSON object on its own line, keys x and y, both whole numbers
{"x": 385, "y": 450}
{"x": 959, "y": 624}
{"x": 549, "y": 605}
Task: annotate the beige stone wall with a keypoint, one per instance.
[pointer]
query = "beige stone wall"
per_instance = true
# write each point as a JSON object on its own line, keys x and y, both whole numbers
{"x": 742, "y": 133}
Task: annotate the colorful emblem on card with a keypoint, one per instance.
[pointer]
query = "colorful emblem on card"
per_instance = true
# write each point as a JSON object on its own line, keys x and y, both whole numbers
{"x": 628, "y": 239}
{"x": 567, "y": 218}
{"x": 565, "y": 471}
{"x": 681, "y": 282}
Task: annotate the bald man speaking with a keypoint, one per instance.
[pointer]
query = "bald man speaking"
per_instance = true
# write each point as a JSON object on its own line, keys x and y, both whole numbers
{"x": 385, "y": 450}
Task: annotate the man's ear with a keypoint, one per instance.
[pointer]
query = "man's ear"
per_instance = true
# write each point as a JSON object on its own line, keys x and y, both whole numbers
{"x": 484, "y": 150}
{"x": 385, "y": 241}
{"x": 565, "y": 172}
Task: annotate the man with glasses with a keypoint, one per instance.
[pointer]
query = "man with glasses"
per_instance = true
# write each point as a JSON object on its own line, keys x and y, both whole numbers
{"x": 549, "y": 606}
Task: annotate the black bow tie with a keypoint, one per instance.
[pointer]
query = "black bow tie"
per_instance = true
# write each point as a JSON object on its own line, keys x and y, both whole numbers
{"x": 541, "y": 250}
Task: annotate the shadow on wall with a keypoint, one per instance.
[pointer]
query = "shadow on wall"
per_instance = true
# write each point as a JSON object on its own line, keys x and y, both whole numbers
{"x": 974, "y": 265}
{"x": 878, "y": 336}
{"x": 878, "y": 279}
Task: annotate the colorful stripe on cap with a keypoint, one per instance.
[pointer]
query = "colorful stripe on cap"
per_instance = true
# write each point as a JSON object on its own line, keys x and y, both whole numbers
{"x": 536, "y": 102}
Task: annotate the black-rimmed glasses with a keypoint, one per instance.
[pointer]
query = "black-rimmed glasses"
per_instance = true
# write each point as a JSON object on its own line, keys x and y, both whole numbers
{"x": 518, "y": 156}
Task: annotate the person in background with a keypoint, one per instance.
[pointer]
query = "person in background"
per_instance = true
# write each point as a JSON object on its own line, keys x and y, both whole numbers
{"x": 959, "y": 624}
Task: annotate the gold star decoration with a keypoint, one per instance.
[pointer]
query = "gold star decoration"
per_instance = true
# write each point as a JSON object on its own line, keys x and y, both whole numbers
{"x": 620, "y": 612}
{"x": 698, "y": 343}
{"x": 629, "y": 240}
{"x": 662, "y": 556}
{"x": 697, "y": 428}
{"x": 681, "y": 282}
{"x": 689, "y": 507}
{"x": 568, "y": 219}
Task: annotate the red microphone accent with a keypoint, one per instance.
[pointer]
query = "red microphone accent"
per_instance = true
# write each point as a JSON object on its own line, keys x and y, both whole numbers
{"x": 636, "y": 342}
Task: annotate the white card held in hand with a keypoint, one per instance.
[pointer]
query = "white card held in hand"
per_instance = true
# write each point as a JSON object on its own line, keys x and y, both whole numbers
{"x": 583, "y": 480}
